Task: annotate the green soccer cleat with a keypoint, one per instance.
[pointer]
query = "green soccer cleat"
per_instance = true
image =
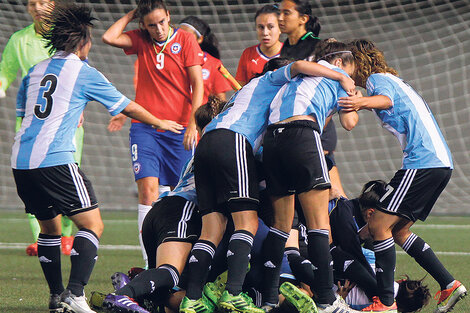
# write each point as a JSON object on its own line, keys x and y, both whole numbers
{"x": 241, "y": 303}
{"x": 202, "y": 305}
{"x": 449, "y": 297}
{"x": 96, "y": 299}
{"x": 302, "y": 302}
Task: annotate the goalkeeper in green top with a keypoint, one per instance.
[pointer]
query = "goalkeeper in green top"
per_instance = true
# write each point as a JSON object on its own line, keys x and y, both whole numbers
{"x": 24, "y": 49}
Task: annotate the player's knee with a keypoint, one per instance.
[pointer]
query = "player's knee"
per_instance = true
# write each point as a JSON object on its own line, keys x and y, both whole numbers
{"x": 400, "y": 235}
{"x": 148, "y": 193}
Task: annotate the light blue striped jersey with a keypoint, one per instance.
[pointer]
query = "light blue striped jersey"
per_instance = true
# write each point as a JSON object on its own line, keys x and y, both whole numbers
{"x": 308, "y": 95}
{"x": 412, "y": 122}
{"x": 247, "y": 111}
{"x": 51, "y": 99}
{"x": 186, "y": 188}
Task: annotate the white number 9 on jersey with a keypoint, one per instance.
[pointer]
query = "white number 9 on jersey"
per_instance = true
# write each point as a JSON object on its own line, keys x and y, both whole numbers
{"x": 160, "y": 61}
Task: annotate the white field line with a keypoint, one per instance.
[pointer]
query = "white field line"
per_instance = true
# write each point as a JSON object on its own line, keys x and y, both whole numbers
{"x": 20, "y": 245}
{"x": 133, "y": 221}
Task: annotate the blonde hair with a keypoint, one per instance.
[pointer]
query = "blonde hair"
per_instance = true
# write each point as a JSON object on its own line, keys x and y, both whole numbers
{"x": 369, "y": 60}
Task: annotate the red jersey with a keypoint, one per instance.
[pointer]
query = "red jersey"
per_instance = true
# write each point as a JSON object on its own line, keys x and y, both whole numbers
{"x": 251, "y": 63}
{"x": 163, "y": 84}
{"x": 214, "y": 82}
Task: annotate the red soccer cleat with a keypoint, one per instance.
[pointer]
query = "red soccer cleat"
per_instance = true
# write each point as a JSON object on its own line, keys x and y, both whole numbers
{"x": 378, "y": 306}
{"x": 449, "y": 297}
{"x": 32, "y": 249}
{"x": 67, "y": 244}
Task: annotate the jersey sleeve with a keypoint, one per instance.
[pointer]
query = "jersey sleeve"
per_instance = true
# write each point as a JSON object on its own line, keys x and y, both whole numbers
{"x": 21, "y": 98}
{"x": 241, "y": 75}
{"x": 221, "y": 84}
{"x": 9, "y": 64}
{"x": 98, "y": 88}
{"x": 192, "y": 53}
{"x": 380, "y": 85}
{"x": 281, "y": 75}
{"x": 136, "y": 36}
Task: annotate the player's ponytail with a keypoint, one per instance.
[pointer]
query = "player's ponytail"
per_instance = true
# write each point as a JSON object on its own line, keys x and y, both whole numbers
{"x": 209, "y": 42}
{"x": 313, "y": 26}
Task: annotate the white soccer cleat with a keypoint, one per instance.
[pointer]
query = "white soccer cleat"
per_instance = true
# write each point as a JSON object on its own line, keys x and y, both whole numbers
{"x": 74, "y": 304}
{"x": 338, "y": 306}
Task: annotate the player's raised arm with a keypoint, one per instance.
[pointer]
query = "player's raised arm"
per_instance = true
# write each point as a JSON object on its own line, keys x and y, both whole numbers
{"x": 115, "y": 36}
{"x": 315, "y": 69}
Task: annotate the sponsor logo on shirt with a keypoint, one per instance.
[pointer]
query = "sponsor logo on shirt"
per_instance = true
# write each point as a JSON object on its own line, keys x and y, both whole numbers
{"x": 175, "y": 48}
{"x": 254, "y": 61}
{"x": 205, "y": 74}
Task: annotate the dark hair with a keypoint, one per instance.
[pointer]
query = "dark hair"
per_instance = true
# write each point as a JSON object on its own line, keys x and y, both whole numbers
{"x": 371, "y": 194}
{"x": 209, "y": 42}
{"x": 267, "y": 9}
{"x": 330, "y": 49}
{"x": 145, "y": 7}
{"x": 274, "y": 64}
{"x": 206, "y": 112}
{"x": 305, "y": 8}
{"x": 67, "y": 27}
{"x": 412, "y": 295}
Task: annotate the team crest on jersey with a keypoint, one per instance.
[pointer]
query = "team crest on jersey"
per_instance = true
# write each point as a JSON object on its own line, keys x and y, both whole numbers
{"x": 175, "y": 48}
{"x": 137, "y": 167}
{"x": 205, "y": 73}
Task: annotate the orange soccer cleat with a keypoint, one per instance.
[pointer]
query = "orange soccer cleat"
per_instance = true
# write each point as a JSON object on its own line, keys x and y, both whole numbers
{"x": 449, "y": 297}
{"x": 378, "y": 306}
{"x": 67, "y": 244}
{"x": 32, "y": 249}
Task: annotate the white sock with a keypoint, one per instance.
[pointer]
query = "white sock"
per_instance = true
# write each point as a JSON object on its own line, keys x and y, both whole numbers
{"x": 143, "y": 210}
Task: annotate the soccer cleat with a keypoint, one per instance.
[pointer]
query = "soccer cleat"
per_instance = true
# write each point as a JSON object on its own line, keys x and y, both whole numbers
{"x": 74, "y": 304}
{"x": 202, "y": 305}
{"x": 338, "y": 306}
{"x": 54, "y": 304}
{"x": 67, "y": 243}
{"x": 134, "y": 271}
{"x": 241, "y": 303}
{"x": 122, "y": 304}
{"x": 449, "y": 297}
{"x": 302, "y": 302}
{"x": 96, "y": 299}
{"x": 32, "y": 249}
{"x": 378, "y": 306}
{"x": 119, "y": 280}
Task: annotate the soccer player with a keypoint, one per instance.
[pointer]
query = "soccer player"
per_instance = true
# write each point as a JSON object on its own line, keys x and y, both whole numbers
{"x": 226, "y": 183}
{"x": 170, "y": 86}
{"x": 24, "y": 49}
{"x": 214, "y": 83}
{"x": 412, "y": 192}
{"x": 51, "y": 98}
{"x": 295, "y": 165}
{"x": 255, "y": 57}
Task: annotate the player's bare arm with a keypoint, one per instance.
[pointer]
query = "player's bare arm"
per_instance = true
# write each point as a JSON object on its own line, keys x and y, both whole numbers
{"x": 348, "y": 119}
{"x": 137, "y": 112}
{"x": 315, "y": 69}
{"x": 197, "y": 84}
{"x": 117, "y": 122}
{"x": 358, "y": 102}
{"x": 115, "y": 36}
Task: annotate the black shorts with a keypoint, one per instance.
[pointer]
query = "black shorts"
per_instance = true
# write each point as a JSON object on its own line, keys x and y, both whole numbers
{"x": 293, "y": 158}
{"x": 225, "y": 173}
{"x": 172, "y": 218}
{"x": 50, "y": 191}
{"x": 412, "y": 192}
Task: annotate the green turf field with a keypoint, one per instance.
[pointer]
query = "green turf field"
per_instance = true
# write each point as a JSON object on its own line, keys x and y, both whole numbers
{"x": 23, "y": 288}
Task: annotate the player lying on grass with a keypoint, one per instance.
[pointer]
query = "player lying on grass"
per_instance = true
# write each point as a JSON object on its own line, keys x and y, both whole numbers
{"x": 412, "y": 192}
{"x": 295, "y": 165}
{"x": 51, "y": 99}
{"x": 226, "y": 180}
